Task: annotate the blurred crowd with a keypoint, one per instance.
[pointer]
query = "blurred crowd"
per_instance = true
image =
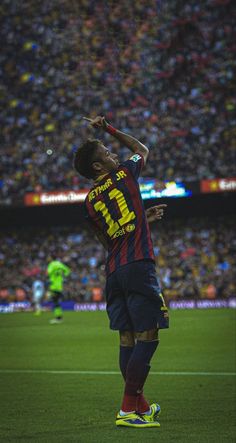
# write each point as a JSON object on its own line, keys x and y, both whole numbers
{"x": 162, "y": 70}
{"x": 194, "y": 259}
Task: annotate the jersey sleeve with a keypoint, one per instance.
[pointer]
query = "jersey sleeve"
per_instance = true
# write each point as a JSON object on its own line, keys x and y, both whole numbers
{"x": 135, "y": 165}
{"x": 66, "y": 270}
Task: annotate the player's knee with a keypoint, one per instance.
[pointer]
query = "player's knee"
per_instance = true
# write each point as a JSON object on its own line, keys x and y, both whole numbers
{"x": 150, "y": 335}
{"x": 127, "y": 338}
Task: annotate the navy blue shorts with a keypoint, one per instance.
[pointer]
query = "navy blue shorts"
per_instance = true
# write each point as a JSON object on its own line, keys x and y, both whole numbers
{"x": 134, "y": 299}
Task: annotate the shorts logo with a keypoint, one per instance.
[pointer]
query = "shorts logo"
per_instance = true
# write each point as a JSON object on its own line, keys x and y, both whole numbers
{"x": 135, "y": 158}
{"x": 129, "y": 227}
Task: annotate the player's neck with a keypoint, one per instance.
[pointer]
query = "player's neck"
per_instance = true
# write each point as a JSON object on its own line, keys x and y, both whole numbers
{"x": 100, "y": 177}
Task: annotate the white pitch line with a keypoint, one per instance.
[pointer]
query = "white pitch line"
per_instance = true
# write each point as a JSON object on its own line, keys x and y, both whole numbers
{"x": 47, "y": 371}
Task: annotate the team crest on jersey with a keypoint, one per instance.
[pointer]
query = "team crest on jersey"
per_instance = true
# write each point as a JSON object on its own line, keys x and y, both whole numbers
{"x": 129, "y": 228}
{"x": 135, "y": 158}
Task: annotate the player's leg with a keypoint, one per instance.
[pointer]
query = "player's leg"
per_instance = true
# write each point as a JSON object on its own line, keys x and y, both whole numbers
{"x": 148, "y": 314}
{"x": 120, "y": 320}
{"x": 147, "y": 339}
{"x": 57, "y": 309}
{"x": 38, "y": 307}
{"x": 36, "y": 303}
{"x": 39, "y": 303}
{"x": 137, "y": 370}
{"x": 127, "y": 342}
{"x": 33, "y": 305}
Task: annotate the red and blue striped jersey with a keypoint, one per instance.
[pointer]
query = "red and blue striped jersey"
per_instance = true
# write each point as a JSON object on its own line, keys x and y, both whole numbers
{"x": 115, "y": 207}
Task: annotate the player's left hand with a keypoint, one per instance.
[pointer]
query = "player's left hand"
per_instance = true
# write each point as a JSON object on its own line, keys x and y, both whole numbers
{"x": 155, "y": 212}
{"x": 97, "y": 122}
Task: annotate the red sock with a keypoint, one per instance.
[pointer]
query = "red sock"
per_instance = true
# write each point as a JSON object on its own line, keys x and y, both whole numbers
{"x": 142, "y": 404}
{"x": 136, "y": 373}
{"x": 129, "y": 403}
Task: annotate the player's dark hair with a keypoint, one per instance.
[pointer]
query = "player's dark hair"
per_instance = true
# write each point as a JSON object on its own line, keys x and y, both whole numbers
{"x": 85, "y": 156}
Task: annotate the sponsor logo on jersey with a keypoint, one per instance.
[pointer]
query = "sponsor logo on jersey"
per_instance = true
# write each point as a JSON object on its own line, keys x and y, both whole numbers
{"x": 128, "y": 228}
{"x": 119, "y": 233}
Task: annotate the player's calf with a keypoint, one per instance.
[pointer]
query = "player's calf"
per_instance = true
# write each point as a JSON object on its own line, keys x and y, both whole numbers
{"x": 137, "y": 371}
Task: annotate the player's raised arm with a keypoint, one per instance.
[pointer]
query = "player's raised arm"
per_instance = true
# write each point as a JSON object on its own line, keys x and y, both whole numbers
{"x": 130, "y": 142}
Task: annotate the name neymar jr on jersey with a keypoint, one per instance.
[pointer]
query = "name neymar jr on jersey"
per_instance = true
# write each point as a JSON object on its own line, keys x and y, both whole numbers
{"x": 99, "y": 189}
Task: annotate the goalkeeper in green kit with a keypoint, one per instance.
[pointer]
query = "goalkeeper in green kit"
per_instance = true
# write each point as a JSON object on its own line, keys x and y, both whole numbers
{"x": 57, "y": 272}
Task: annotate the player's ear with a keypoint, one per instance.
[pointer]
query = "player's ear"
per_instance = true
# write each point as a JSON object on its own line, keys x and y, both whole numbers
{"x": 97, "y": 166}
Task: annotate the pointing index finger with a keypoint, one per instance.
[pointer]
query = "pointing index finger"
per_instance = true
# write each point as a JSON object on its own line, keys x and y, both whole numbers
{"x": 88, "y": 119}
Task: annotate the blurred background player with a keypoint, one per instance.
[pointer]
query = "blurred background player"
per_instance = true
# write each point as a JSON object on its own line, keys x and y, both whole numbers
{"x": 57, "y": 272}
{"x": 38, "y": 290}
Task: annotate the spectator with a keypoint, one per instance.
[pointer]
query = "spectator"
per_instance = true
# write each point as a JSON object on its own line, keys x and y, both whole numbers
{"x": 195, "y": 259}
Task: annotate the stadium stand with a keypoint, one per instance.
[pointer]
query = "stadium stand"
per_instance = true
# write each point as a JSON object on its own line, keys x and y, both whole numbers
{"x": 195, "y": 259}
{"x": 161, "y": 70}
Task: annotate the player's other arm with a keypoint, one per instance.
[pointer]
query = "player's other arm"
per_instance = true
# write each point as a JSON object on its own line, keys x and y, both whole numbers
{"x": 155, "y": 212}
{"x": 101, "y": 238}
{"x": 66, "y": 270}
{"x": 128, "y": 140}
{"x": 98, "y": 234}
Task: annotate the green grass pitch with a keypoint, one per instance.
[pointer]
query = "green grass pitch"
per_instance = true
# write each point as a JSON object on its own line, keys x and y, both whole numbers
{"x": 63, "y": 406}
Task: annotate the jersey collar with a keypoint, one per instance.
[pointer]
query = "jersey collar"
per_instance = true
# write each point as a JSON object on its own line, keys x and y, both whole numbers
{"x": 98, "y": 179}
